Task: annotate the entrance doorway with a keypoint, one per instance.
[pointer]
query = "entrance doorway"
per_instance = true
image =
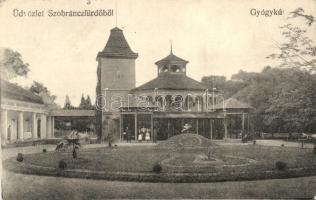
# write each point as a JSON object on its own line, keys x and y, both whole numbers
{"x": 128, "y": 126}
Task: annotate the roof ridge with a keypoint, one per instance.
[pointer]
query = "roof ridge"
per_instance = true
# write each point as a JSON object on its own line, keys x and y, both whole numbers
{"x": 17, "y": 92}
{"x": 171, "y": 57}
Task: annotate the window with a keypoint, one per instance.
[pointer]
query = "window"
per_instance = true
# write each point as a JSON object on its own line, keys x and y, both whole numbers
{"x": 176, "y": 68}
{"x": 118, "y": 75}
{"x": 165, "y": 69}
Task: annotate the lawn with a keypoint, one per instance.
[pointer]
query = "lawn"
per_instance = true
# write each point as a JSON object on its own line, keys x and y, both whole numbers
{"x": 20, "y": 186}
{"x": 142, "y": 159}
{"x": 183, "y": 158}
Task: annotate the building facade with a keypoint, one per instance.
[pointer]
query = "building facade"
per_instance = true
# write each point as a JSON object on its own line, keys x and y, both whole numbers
{"x": 24, "y": 115}
{"x": 170, "y": 104}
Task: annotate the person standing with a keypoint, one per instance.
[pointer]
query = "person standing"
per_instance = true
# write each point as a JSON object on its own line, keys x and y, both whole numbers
{"x": 9, "y": 132}
{"x": 128, "y": 132}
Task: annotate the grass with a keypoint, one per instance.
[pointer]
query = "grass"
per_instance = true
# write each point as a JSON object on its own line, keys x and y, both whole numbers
{"x": 180, "y": 157}
{"x": 126, "y": 159}
{"x": 142, "y": 159}
{"x": 20, "y": 186}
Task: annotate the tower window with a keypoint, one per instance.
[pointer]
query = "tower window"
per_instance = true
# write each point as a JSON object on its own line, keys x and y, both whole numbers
{"x": 165, "y": 69}
{"x": 118, "y": 75}
{"x": 176, "y": 68}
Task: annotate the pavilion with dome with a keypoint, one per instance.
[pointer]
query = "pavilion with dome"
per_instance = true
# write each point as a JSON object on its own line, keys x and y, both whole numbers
{"x": 168, "y": 105}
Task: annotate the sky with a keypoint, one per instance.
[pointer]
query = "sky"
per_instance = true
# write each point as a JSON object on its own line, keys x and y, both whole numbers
{"x": 216, "y": 37}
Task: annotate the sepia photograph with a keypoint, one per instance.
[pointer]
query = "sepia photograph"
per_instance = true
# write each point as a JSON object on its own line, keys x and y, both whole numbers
{"x": 148, "y": 99}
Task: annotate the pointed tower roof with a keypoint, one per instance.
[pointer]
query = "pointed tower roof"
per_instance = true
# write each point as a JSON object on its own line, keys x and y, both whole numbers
{"x": 117, "y": 46}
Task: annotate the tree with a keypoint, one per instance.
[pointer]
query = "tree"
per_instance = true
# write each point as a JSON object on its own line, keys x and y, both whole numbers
{"x": 293, "y": 102}
{"x": 38, "y": 88}
{"x": 88, "y": 102}
{"x": 85, "y": 103}
{"x": 298, "y": 50}
{"x": 12, "y": 65}
{"x": 82, "y": 104}
{"x": 68, "y": 104}
{"x": 284, "y": 99}
{"x": 299, "y": 12}
{"x": 227, "y": 88}
{"x": 213, "y": 81}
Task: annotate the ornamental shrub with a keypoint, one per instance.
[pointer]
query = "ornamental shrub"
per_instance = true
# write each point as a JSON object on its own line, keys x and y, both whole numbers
{"x": 19, "y": 158}
{"x": 157, "y": 168}
{"x": 280, "y": 165}
{"x": 62, "y": 164}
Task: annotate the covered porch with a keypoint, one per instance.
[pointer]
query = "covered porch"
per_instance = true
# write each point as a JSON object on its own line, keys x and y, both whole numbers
{"x": 25, "y": 121}
{"x": 134, "y": 126}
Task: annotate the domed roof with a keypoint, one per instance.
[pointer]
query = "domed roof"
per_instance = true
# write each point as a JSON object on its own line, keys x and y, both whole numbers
{"x": 172, "y": 82}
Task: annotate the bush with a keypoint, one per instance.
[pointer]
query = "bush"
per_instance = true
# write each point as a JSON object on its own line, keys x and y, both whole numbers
{"x": 279, "y": 165}
{"x": 19, "y": 158}
{"x": 62, "y": 164}
{"x": 157, "y": 168}
{"x": 44, "y": 150}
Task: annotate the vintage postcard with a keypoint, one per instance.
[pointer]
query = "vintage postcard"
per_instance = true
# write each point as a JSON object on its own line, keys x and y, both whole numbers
{"x": 148, "y": 99}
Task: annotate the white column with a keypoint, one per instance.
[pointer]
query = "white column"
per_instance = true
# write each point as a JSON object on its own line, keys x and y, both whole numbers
{"x": 136, "y": 128}
{"x": 53, "y": 127}
{"x": 197, "y": 126}
{"x": 49, "y": 127}
{"x": 225, "y": 128}
{"x": 20, "y": 126}
{"x": 43, "y": 126}
{"x": 211, "y": 129}
{"x": 4, "y": 122}
{"x": 34, "y": 126}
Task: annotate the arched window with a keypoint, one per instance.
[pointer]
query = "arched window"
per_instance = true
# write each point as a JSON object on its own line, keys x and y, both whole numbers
{"x": 176, "y": 68}
{"x": 177, "y": 103}
{"x": 165, "y": 69}
{"x": 150, "y": 99}
{"x": 160, "y": 101}
{"x": 189, "y": 102}
{"x": 199, "y": 103}
{"x": 168, "y": 100}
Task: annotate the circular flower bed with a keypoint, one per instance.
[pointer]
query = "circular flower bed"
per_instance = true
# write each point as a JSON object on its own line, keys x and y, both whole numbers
{"x": 182, "y": 158}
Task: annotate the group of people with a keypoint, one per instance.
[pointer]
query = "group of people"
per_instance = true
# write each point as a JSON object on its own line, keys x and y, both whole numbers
{"x": 143, "y": 134}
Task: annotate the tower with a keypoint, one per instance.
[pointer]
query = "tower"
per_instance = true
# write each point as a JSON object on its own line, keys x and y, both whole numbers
{"x": 116, "y": 63}
{"x": 116, "y": 72}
